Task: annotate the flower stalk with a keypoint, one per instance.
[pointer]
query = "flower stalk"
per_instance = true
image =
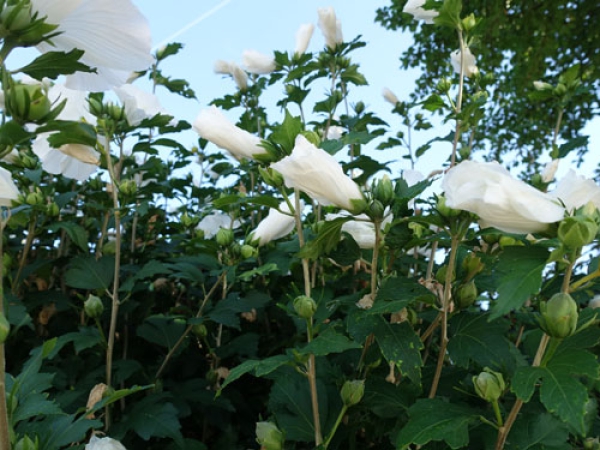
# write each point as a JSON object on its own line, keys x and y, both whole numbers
{"x": 4, "y": 427}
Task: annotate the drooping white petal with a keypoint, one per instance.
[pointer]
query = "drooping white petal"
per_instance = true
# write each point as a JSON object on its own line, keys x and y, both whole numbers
{"x": 258, "y": 63}
{"x": 488, "y": 190}
{"x": 415, "y": 8}
{"x": 8, "y": 189}
{"x": 275, "y": 226}
{"x": 71, "y": 160}
{"x": 576, "y": 191}
{"x": 317, "y": 173}
{"x": 104, "y": 443}
{"x": 138, "y": 104}
{"x": 468, "y": 62}
{"x": 114, "y": 35}
{"x": 211, "y": 124}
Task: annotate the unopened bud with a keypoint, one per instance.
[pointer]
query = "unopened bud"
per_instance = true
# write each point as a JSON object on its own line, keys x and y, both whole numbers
{"x": 469, "y": 22}
{"x": 4, "y": 328}
{"x": 247, "y": 251}
{"x": 577, "y": 231}
{"x": 466, "y": 294}
{"x": 26, "y": 443}
{"x": 376, "y": 210}
{"x": 224, "y": 237}
{"x": 440, "y": 275}
{"x": 383, "y": 190}
{"x": 200, "y": 330}
{"x": 28, "y": 102}
{"x": 559, "y": 316}
{"x": 187, "y": 221}
{"x": 16, "y": 17}
{"x": 444, "y": 210}
{"x": 271, "y": 177}
{"x": 93, "y": 307}
{"x": 34, "y": 198}
{"x": 489, "y": 385}
{"x": 359, "y": 107}
{"x": 352, "y": 392}
{"x": 115, "y": 112}
{"x": 305, "y": 306}
{"x": 53, "y": 210}
{"x": 269, "y": 436}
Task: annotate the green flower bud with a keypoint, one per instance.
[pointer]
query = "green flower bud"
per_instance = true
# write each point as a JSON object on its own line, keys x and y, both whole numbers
{"x": 312, "y": 137}
{"x": 28, "y": 102}
{"x": 577, "y": 231}
{"x": 269, "y": 436}
{"x": 376, "y": 210}
{"x": 560, "y": 90}
{"x": 472, "y": 264}
{"x": 559, "y": 316}
{"x": 489, "y": 385}
{"x": 27, "y": 162}
{"x": 224, "y": 237}
{"x": 16, "y": 17}
{"x": 199, "y": 330}
{"x": 53, "y": 210}
{"x": 359, "y": 107}
{"x": 4, "y": 328}
{"x": 383, "y": 190}
{"x": 187, "y": 221}
{"x": 199, "y": 233}
{"x": 440, "y": 275}
{"x": 305, "y": 306}
{"x": 247, "y": 251}
{"x": 444, "y": 85}
{"x": 591, "y": 444}
{"x": 507, "y": 241}
{"x": 6, "y": 262}
{"x": 34, "y": 198}
{"x": 93, "y": 307}
{"x": 466, "y": 294}
{"x": 352, "y": 392}
{"x": 128, "y": 187}
{"x": 271, "y": 177}
{"x": 469, "y": 22}
{"x": 96, "y": 107}
{"x": 444, "y": 210}
{"x": 115, "y": 112}
{"x": 27, "y": 443}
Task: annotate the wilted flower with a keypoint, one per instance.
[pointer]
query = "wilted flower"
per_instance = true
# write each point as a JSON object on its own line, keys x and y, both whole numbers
{"x": 330, "y": 26}
{"x": 468, "y": 62}
{"x": 113, "y": 33}
{"x": 549, "y": 171}
{"x": 275, "y": 226}
{"x": 104, "y": 443}
{"x": 303, "y": 36}
{"x": 488, "y": 190}
{"x": 8, "y": 189}
{"x": 211, "y": 223}
{"x": 258, "y": 63}
{"x": 415, "y": 8}
{"x": 389, "y": 96}
{"x": 75, "y": 161}
{"x": 575, "y": 191}
{"x": 211, "y": 124}
{"x": 138, "y": 104}
{"x": 316, "y": 172}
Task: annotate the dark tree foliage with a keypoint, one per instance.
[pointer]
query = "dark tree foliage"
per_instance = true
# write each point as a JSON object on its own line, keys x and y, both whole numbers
{"x": 518, "y": 42}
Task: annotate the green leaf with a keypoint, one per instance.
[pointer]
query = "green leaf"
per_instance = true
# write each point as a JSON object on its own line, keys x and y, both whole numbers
{"x": 85, "y": 272}
{"x": 258, "y": 271}
{"x": 285, "y": 134}
{"x": 11, "y": 134}
{"x": 115, "y": 396}
{"x": 61, "y": 431}
{"x": 162, "y": 330}
{"x": 575, "y": 143}
{"x": 474, "y": 338}
{"x": 53, "y": 64}
{"x": 328, "y": 342}
{"x": 400, "y": 344}
{"x": 449, "y": 14}
{"x": 397, "y": 293}
{"x": 154, "y": 416}
{"x": 76, "y": 232}
{"x": 520, "y": 274}
{"x": 86, "y": 337}
{"x": 525, "y": 380}
{"x": 227, "y": 311}
{"x": 327, "y": 239}
{"x": 437, "y": 420}
{"x": 69, "y": 132}
{"x": 385, "y": 399}
{"x": 258, "y": 368}
{"x": 539, "y": 432}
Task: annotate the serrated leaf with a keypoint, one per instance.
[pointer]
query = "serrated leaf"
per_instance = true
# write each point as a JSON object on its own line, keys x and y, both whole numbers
{"x": 437, "y": 420}
{"x": 76, "y": 232}
{"x": 327, "y": 239}
{"x": 328, "y": 342}
{"x": 258, "y": 368}
{"x": 285, "y": 134}
{"x": 385, "y": 399}
{"x": 57, "y": 432}
{"x": 227, "y": 311}
{"x": 520, "y": 275}
{"x": 575, "y": 143}
{"x": 69, "y": 132}
{"x": 86, "y": 272}
{"x": 86, "y": 337}
{"x": 162, "y": 330}
{"x": 397, "y": 293}
{"x": 400, "y": 344}
{"x": 525, "y": 380}
{"x": 53, "y": 64}
{"x": 11, "y": 134}
{"x": 539, "y": 432}
{"x": 474, "y": 338}
{"x": 154, "y": 416}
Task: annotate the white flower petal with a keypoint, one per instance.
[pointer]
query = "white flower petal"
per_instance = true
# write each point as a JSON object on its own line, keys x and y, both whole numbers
{"x": 303, "y": 36}
{"x": 258, "y": 63}
{"x": 71, "y": 160}
{"x": 138, "y": 104}
{"x": 8, "y": 189}
{"x": 415, "y": 8}
{"x": 576, "y": 191}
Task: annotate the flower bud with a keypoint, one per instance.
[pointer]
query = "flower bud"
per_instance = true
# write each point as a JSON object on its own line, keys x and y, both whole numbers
{"x": 199, "y": 330}
{"x": 577, "y": 231}
{"x": 383, "y": 190}
{"x": 224, "y": 237}
{"x": 269, "y": 436}
{"x": 305, "y": 306}
{"x": 352, "y": 392}
{"x": 489, "y": 385}
{"x": 115, "y": 112}
{"x": 96, "y": 107}
{"x": 34, "y": 198}
{"x": 312, "y": 137}
{"x": 469, "y": 22}
{"x": 507, "y": 241}
{"x": 446, "y": 211}
{"x": 187, "y": 221}
{"x": 247, "y": 251}
{"x": 93, "y": 307}
{"x": 466, "y": 294}
{"x": 128, "y": 187}
{"x": 440, "y": 275}
{"x": 472, "y": 264}
{"x": 27, "y": 162}
{"x": 542, "y": 86}
{"x": 559, "y": 316}
{"x": 271, "y": 177}
{"x": 444, "y": 85}
{"x": 16, "y": 17}
{"x": 4, "y": 328}
{"x": 376, "y": 210}
{"x": 359, "y": 107}
{"x": 28, "y": 102}
{"x": 53, "y": 210}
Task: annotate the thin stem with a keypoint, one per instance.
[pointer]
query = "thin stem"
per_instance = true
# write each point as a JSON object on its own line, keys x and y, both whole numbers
{"x": 374, "y": 261}
{"x": 445, "y": 310}
{"x": 4, "y": 428}
{"x": 497, "y": 413}
{"x": 337, "y": 423}
{"x": 26, "y": 248}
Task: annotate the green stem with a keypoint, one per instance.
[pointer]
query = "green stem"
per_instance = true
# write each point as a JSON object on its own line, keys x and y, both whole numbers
{"x": 497, "y": 413}
{"x": 4, "y": 427}
{"x": 337, "y": 423}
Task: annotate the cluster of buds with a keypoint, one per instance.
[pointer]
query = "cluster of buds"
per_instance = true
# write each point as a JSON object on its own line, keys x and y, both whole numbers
{"x": 20, "y": 27}
{"x": 383, "y": 196}
{"x": 27, "y": 103}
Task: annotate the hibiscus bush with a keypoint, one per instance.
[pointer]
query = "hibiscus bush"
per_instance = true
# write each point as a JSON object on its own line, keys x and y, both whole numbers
{"x": 278, "y": 285}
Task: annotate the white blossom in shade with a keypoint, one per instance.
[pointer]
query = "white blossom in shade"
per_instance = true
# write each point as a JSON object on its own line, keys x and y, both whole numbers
{"x": 330, "y": 26}
{"x": 316, "y": 172}
{"x": 276, "y": 225}
{"x": 595, "y": 302}
{"x": 222, "y": 67}
{"x": 114, "y": 35}
{"x": 212, "y": 125}
{"x": 104, "y": 443}
{"x": 415, "y": 8}
{"x": 549, "y": 171}
{"x": 258, "y": 63}
{"x": 211, "y": 223}
{"x": 468, "y": 60}
{"x": 75, "y": 161}
{"x": 575, "y": 191}
{"x": 138, "y": 104}
{"x": 488, "y": 190}
{"x": 303, "y": 36}
{"x": 360, "y": 228}
{"x": 335, "y": 132}
{"x": 8, "y": 189}
{"x": 389, "y": 96}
